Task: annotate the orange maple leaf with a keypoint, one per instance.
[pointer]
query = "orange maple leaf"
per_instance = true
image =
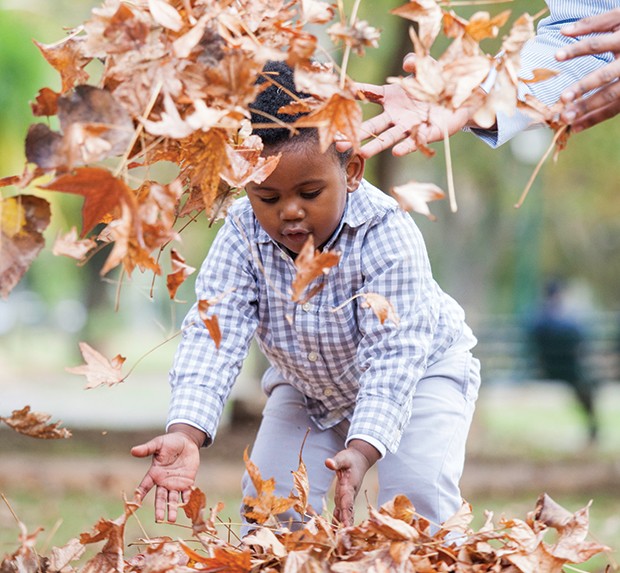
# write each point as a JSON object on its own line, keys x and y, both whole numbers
{"x": 98, "y": 369}
{"x": 35, "y": 424}
{"x": 103, "y": 193}
{"x": 67, "y": 58}
{"x": 340, "y": 115}
{"x": 381, "y": 306}
{"x": 311, "y": 264}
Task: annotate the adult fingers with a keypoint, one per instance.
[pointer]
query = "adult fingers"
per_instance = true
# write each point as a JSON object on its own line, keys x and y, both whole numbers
{"x": 604, "y": 22}
{"x": 591, "y": 45}
{"x": 601, "y": 77}
{"x": 384, "y": 140}
{"x": 409, "y": 63}
{"x": 594, "y": 117}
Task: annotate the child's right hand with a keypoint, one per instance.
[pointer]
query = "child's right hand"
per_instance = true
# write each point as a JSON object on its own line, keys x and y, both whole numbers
{"x": 176, "y": 457}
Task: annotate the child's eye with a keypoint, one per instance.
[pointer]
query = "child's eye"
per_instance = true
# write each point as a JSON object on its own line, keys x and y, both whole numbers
{"x": 311, "y": 194}
{"x": 270, "y": 200}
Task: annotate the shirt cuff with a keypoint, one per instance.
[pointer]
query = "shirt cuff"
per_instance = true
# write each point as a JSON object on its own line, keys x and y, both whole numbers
{"x": 370, "y": 440}
{"x": 208, "y": 439}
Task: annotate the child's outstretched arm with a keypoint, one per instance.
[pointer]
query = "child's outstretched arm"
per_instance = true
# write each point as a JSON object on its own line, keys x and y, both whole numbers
{"x": 176, "y": 457}
{"x": 350, "y": 465}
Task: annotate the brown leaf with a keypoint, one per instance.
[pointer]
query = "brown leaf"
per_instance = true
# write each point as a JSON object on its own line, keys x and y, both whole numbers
{"x": 98, "y": 369}
{"x": 381, "y": 306}
{"x": 266, "y": 505}
{"x": 224, "y": 559}
{"x": 180, "y": 272}
{"x": 69, "y": 245}
{"x": 194, "y": 508}
{"x": 61, "y": 556}
{"x": 103, "y": 193}
{"x": 310, "y": 265}
{"x": 111, "y": 557}
{"x": 415, "y": 196}
{"x": 302, "y": 485}
{"x": 427, "y": 14}
{"x": 23, "y": 218}
{"x": 165, "y": 15}
{"x": 540, "y": 75}
{"x": 46, "y": 103}
{"x": 67, "y": 58}
{"x": 340, "y": 115}
{"x": 35, "y": 425}
{"x": 246, "y": 164}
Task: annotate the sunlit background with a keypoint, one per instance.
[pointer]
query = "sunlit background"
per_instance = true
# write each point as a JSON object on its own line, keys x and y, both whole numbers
{"x": 529, "y": 435}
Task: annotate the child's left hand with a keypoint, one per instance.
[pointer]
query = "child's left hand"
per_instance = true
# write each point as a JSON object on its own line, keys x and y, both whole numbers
{"x": 350, "y": 465}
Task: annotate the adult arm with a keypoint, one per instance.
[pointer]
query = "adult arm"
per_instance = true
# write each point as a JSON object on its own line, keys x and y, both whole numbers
{"x": 583, "y": 112}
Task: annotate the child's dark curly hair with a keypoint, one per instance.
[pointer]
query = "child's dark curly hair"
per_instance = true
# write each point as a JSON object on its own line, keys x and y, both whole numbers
{"x": 268, "y": 103}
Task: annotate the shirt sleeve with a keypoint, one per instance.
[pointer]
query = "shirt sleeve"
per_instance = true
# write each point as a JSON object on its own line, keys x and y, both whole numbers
{"x": 394, "y": 357}
{"x": 202, "y": 375}
{"x": 539, "y": 52}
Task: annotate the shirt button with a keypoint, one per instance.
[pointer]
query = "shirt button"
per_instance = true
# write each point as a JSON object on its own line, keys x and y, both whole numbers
{"x": 306, "y": 306}
{"x": 328, "y": 392}
{"x": 313, "y": 356}
{"x": 283, "y": 255}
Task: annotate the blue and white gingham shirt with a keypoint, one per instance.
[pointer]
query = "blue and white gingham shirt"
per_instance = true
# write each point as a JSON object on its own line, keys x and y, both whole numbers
{"x": 539, "y": 52}
{"x": 346, "y": 363}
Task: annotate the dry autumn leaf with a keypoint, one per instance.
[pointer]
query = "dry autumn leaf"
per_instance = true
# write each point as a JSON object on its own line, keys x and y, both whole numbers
{"x": 415, "y": 196}
{"x": 381, "y": 306}
{"x": 98, "y": 369}
{"x": 70, "y": 245}
{"x": 35, "y": 424}
{"x": 180, "y": 272}
{"x": 23, "y": 219}
{"x": 310, "y": 265}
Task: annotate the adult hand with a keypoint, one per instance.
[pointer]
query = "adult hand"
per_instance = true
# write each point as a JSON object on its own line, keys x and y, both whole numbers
{"x": 605, "y": 103}
{"x": 176, "y": 457}
{"x": 350, "y": 465}
{"x": 402, "y": 115}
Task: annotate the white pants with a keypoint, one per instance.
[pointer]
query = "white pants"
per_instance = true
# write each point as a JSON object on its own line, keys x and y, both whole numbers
{"x": 427, "y": 466}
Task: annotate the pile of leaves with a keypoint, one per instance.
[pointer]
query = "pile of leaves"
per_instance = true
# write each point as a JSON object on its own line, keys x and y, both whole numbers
{"x": 393, "y": 538}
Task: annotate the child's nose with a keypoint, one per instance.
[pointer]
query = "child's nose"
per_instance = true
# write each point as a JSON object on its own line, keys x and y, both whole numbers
{"x": 292, "y": 211}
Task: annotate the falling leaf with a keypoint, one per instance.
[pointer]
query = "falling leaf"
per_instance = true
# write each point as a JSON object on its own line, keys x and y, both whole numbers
{"x": 338, "y": 116}
{"x": 98, "y": 369}
{"x": 165, "y": 15}
{"x": 310, "y": 265}
{"x": 211, "y": 322}
{"x": 427, "y": 14}
{"x": 180, "y": 272}
{"x": 316, "y": 11}
{"x": 46, "y": 103}
{"x": 35, "y": 425}
{"x": 67, "y": 58}
{"x": 23, "y": 218}
{"x": 415, "y": 196}
{"x": 381, "y": 306}
{"x": 69, "y": 245}
{"x": 103, "y": 193}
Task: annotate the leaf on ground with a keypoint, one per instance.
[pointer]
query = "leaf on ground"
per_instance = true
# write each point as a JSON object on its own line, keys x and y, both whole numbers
{"x": 23, "y": 219}
{"x": 99, "y": 371}
{"x": 310, "y": 265}
{"x": 35, "y": 425}
{"x": 263, "y": 508}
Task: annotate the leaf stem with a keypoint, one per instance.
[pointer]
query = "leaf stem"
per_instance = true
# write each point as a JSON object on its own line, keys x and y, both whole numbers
{"x": 449, "y": 172}
{"x": 557, "y": 135}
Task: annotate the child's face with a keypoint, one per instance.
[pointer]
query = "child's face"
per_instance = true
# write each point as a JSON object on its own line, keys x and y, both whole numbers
{"x": 305, "y": 195}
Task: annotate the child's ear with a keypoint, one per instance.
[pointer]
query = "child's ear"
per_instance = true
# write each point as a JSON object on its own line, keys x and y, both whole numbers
{"x": 355, "y": 171}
